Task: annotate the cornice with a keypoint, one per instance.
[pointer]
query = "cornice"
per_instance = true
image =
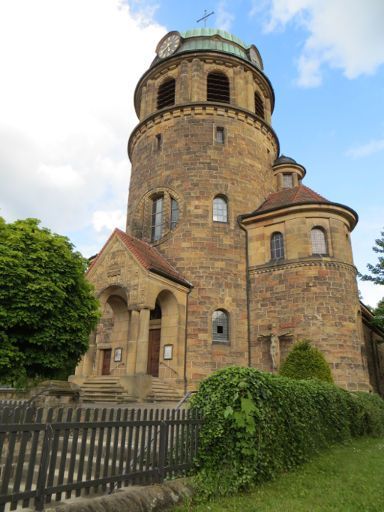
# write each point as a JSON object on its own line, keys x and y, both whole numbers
{"x": 202, "y": 108}
{"x": 282, "y": 211}
{"x": 318, "y": 262}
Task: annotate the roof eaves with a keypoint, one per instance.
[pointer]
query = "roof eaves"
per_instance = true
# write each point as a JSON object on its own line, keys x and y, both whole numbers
{"x": 304, "y": 203}
{"x": 176, "y": 279}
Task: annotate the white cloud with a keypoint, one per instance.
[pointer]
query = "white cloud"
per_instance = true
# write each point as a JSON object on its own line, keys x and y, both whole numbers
{"x": 371, "y": 147}
{"x": 364, "y": 235}
{"x": 68, "y": 76}
{"x": 108, "y": 219}
{"x": 371, "y": 293}
{"x": 344, "y": 34}
{"x": 224, "y": 18}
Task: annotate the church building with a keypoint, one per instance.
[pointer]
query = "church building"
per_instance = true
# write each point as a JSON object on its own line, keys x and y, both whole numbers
{"x": 227, "y": 257}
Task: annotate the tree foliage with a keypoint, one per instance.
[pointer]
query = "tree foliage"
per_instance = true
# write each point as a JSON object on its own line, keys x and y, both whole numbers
{"x": 378, "y": 319}
{"x": 47, "y": 308}
{"x": 376, "y": 275}
{"x": 306, "y": 362}
{"x": 377, "y": 271}
{"x": 257, "y": 425}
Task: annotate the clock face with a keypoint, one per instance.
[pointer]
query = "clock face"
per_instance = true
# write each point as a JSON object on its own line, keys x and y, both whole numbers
{"x": 169, "y": 46}
{"x": 254, "y": 56}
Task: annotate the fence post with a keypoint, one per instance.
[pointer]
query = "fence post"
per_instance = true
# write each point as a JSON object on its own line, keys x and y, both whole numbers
{"x": 162, "y": 450}
{"x": 44, "y": 464}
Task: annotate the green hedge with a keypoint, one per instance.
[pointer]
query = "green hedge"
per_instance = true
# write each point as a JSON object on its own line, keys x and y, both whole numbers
{"x": 306, "y": 362}
{"x": 258, "y": 425}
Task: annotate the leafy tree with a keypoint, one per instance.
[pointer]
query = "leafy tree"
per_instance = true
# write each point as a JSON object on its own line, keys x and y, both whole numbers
{"x": 377, "y": 276}
{"x": 47, "y": 308}
{"x": 378, "y": 319}
{"x": 306, "y": 362}
{"x": 377, "y": 271}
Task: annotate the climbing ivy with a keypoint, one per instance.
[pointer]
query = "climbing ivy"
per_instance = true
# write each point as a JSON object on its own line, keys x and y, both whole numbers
{"x": 257, "y": 425}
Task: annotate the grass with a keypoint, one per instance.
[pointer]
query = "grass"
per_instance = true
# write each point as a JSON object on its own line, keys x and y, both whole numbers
{"x": 346, "y": 478}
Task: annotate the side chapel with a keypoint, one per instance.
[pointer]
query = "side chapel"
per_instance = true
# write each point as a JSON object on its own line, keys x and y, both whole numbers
{"x": 227, "y": 258}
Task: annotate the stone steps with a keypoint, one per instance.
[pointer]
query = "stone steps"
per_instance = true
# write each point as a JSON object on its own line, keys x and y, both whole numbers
{"x": 108, "y": 389}
{"x": 104, "y": 389}
{"x": 163, "y": 392}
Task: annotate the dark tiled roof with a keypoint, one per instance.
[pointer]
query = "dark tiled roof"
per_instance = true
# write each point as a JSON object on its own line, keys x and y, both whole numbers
{"x": 284, "y": 160}
{"x": 291, "y": 196}
{"x": 148, "y": 256}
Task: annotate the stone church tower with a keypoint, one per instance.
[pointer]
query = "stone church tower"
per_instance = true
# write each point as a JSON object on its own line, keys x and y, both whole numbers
{"x": 227, "y": 258}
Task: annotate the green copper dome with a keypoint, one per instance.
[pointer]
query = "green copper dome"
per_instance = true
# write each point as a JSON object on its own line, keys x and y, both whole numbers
{"x": 216, "y": 40}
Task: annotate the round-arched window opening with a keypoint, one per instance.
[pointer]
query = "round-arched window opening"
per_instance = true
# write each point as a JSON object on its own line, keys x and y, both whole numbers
{"x": 175, "y": 213}
{"x": 319, "y": 241}
{"x": 220, "y": 326}
{"x": 259, "y": 105}
{"x": 277, "y": 246}
{"x": 220, "y": 209}
{"x": 218, "y": 87}
{"x": 166, "y": 94}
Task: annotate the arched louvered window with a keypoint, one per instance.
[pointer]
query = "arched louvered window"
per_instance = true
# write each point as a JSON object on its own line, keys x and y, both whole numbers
{"x": 259, "y": 105}
{"x": 218, "y": 87}
{"x": 220, "y": 326}
{"x": 277, "y": 246}
{"x": 166, "y": 93}
{"x": 220, "y": 209}
{"x": 319, "y": 242}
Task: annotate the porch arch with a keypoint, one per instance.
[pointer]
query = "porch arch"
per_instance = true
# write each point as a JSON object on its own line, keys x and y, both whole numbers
{"x": 112, "y": 332}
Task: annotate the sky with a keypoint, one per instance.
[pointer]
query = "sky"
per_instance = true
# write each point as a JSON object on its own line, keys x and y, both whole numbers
{"x": 68, "y": 73}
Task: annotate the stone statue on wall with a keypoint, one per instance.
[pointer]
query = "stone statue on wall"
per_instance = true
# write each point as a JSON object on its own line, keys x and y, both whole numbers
{"x": 274, "y": 349}
{"x": 274, "y": 346}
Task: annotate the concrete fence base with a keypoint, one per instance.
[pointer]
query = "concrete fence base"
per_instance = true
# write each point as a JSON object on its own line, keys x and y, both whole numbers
{"x": 150, "y": 498}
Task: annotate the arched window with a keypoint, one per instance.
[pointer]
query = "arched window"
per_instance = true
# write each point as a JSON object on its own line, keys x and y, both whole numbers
{"x": 166, "y": 93}
{"x": 220, "y": 209}
{"x": 319, "y": 242}
{"x": 157, "y": 218}
{"x": 220, "y": 331}
{"x": 218, "y": 87}
{"x": 277, "y": 246}
{"x": 287, "y": 180}
{"x": 174, "y": 213}
{"x": 259, "y": 105}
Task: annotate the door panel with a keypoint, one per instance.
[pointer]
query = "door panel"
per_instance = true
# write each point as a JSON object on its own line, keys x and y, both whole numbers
{"x": 154, "y": 352}
{"x": 106, "y": 368}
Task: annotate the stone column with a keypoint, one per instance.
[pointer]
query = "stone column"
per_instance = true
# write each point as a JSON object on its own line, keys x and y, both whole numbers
{"x": 132, "y": 343}
{"x": 142, "y": 342}
{"x": 197, "y": 93}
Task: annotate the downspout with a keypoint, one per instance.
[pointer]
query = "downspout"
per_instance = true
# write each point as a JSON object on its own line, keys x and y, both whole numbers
{"x": 185, "y": 343}
{"x": 248, "y": 290}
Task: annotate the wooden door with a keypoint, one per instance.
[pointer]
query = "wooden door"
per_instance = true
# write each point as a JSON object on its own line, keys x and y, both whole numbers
{"x": 106, "y": 368}
{"x": 154, "y": 352}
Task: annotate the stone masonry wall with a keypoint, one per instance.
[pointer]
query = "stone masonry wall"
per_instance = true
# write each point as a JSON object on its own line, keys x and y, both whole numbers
{"x": 316, "y": 300}
{"x": 190, "y": 166}
{"x": 211, "y": 255}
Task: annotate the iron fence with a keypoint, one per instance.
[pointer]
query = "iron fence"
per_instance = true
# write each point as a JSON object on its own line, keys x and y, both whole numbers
{"x": 51, "y": 454}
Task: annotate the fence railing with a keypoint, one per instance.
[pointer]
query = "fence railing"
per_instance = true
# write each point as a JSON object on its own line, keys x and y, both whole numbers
{"x": 53, "y": 454}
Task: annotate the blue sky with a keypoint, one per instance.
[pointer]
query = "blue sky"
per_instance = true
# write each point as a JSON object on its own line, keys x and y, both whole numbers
{"x": 69, "y": 69}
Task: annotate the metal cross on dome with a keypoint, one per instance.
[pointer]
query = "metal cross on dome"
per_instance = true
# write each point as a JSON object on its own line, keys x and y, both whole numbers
{"x": 204, "y": 18}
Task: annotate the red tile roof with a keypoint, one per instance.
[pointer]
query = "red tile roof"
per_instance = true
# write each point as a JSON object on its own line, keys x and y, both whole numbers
{"x": 149, "y": 257}
{"x": 291, "y": 196}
